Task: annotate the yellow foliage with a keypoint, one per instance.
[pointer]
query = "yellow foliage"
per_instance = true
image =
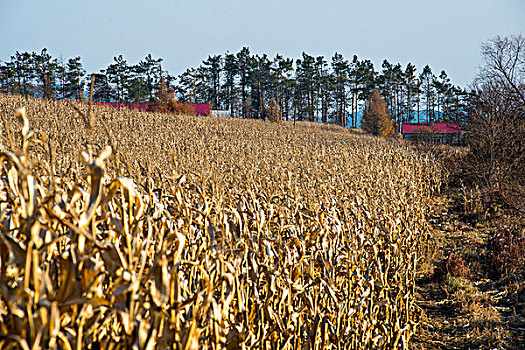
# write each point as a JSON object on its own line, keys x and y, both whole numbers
{"x": 375, "y": 119}
{"x": 274, "y": 112}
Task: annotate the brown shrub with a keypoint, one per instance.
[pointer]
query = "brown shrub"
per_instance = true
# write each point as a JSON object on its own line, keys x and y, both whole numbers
{"x": 507, "y": 247}
{"x": 454, "y": 266}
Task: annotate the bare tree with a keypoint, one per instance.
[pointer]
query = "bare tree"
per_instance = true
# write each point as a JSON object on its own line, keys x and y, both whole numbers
{"x": 496, "y": 123}
{"x": 504, "y": 59}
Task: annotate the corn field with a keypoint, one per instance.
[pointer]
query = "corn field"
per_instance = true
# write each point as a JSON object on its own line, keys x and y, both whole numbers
{"x": 137, "y": 230}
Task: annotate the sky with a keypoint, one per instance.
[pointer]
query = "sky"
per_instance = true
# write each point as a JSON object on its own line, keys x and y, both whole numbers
{"x": 445, "y": 34}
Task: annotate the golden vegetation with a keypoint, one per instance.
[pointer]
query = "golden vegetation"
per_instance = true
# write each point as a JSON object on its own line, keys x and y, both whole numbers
{"x": 376, "y": 119}
{"x": 186, "y": 232}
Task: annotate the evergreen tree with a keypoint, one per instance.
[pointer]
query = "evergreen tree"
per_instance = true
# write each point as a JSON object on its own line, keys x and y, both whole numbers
{"x": 45, "y": 72}
{"x": 187, "y": 88}
{"x": 60, "y": 77}
{"x": 74, "y": 79}
{"x": 456, "y": 105}
{"x": 261, "y": 82}
{"x": 138, "y": 89}
{"x": 119, "y": 74}
{"x": 340, "y": 68}
{"x": 151, "y": 71}
{"x": 6, "y": 76}
{"x": 244, "y": 64}
{"x": 427, "y": 84}
{"x": 410, "y": 79}
{"x": 283, "y": 71}
{"x": 229, "y": 90}
{"x": 213, "y": 68}
{"x": 354, "y": 80}
{"x": 306, "y": 76}
{"x": 366, "y": 81}
{"x": 202, "y": 85}
{"x": 23, "y": 74}
{"x": 398, "y": 93}
{"x": 102, "y": 91}
{"x": 324, "y": 86}
{"x": 417, "y": 95}
{"x": 442, "y": 88}
{"x": 386, "y": 82}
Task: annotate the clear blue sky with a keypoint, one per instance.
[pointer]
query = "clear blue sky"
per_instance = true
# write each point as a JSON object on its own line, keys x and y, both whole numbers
{"x": 445, "y": 34}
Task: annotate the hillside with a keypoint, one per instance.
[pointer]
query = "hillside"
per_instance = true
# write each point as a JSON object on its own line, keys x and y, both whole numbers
{"x": 210, "y": 232}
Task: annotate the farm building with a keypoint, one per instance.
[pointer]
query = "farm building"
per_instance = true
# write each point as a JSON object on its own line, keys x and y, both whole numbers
{"x": 201, "y": 109}
{"x": 220, "y": 113}
{"x": 444, "y": 133}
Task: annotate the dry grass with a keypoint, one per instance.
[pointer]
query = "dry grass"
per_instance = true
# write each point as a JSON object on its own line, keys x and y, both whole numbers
{"x": 205, "y": 232}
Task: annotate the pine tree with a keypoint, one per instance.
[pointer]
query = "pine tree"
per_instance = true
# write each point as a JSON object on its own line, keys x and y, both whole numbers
{"x": 284, "y": 83}
{"x": 386, "y": 83}
{"x": 398, "y": 86}
{"x": 375, "y": 119}
{"x": 306, "y": 76}
{"x": 213, "y": 67}
{"x": 340, "y": 68}
{"x": 354, "y": 78}
{"x": 102, "y": 91}
{"x": 427, "y": 79}
{"x": 138, "y": 90}
{"x": 151, "y": 71}
{"x": 74, "y": 75}
{"x": 45, "y": 71}
{"x": 119, "y": 73}
{"x": 323, "y": 86}
{"x": 228, "y": 88}
{"x": 187, "y": 85}
{"x": 24, "y": 73}
{"x": 60, "y": 73}
{"x": 442, "y": 87}
{"x": 410, "y": 77}
{"x": 244, "y": 60}
{"x": 261, "y": 81}
{"x": 367, "y": 80}
{"x": 6, "y": 72}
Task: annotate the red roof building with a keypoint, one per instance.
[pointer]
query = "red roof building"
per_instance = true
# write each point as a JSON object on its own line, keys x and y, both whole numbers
{"x": 199, "y": 108}
{"x": 445, "y": 133}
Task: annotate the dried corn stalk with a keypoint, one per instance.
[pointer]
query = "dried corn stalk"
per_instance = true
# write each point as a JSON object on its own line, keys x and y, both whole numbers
{"x": 224, "y": 234}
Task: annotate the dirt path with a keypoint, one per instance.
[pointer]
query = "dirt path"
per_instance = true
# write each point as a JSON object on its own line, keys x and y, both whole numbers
{"x": 462, "y": 307}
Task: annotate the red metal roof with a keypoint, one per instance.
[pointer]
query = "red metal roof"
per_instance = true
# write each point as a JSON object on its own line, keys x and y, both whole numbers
{"x": 199, "y": 108}
{"x": 427, "y": 128}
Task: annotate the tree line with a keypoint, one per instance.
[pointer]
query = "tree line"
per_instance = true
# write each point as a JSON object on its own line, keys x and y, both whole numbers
{"x": 310, "y": 88}
{"x": 41, "y": 75}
